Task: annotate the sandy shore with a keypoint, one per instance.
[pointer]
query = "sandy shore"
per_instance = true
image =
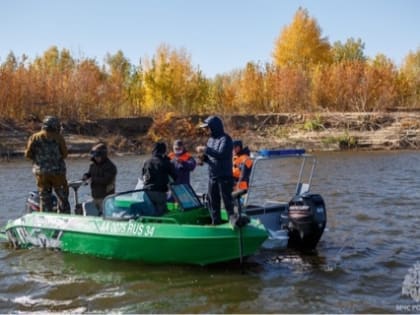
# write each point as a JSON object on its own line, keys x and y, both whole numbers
{"x": 314, "y": 132}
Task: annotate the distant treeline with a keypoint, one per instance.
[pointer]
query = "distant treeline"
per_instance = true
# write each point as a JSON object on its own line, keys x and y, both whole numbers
{"x": 307, "y": 73}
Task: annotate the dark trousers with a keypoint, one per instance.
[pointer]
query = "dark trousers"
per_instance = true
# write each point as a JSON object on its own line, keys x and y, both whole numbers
{"x": 220, "y": 188}
{"x": 158, "y": 199}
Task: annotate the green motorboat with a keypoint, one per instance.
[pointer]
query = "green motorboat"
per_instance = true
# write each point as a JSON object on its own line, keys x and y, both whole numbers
{"x": 127, "y": 231}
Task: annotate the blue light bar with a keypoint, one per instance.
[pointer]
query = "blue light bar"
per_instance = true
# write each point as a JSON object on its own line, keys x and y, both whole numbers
{"x": 267, "y": 153}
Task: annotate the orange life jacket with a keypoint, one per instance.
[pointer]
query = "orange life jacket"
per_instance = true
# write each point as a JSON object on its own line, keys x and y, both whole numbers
{"x": 242, "y": 165}
{"x": 183, "y": 157}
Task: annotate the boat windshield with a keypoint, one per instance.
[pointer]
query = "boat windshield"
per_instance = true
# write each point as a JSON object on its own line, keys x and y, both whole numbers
{"x": 278, "y": 175}
{"x": 128, "y": 205}
{"x": 185, "y": 196}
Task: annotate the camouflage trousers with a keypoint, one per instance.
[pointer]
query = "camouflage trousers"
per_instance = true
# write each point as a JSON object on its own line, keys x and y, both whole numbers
{"x": 46, "y": 183}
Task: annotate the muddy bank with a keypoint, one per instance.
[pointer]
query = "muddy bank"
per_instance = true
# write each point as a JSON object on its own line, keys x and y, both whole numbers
{"x": 314, "y": 132}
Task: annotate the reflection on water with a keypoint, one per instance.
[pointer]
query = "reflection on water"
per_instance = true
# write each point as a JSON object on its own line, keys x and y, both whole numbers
{"x": 370, "y": 242}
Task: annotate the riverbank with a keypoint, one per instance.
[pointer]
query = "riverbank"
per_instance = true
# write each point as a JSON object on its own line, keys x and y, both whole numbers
{"x": 314, "y": 132}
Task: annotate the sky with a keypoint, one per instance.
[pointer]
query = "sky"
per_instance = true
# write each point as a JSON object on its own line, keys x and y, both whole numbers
{"x": 219, "y": 35}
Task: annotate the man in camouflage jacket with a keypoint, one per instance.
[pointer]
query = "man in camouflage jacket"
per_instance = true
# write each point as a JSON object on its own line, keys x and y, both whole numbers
{"x": 47, "y": 150}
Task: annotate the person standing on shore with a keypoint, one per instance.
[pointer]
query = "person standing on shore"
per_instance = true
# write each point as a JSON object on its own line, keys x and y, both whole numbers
{"x": 218, "y": 155}
{"x": 47, "y": 149}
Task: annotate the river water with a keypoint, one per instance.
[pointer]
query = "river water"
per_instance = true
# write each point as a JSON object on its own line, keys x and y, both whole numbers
{"x": 371, "y": 243}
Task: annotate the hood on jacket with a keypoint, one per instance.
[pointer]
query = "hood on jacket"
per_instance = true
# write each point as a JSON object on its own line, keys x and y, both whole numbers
{"x": 215, "y": 125}
{"x": 159, "y": 149}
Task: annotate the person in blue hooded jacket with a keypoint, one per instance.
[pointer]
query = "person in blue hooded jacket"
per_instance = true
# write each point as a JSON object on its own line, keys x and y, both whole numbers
{"x": 218, "y": 155}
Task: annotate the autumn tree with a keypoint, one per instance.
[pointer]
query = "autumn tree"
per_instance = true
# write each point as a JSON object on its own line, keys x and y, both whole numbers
{"x": 11, "y": 62}
{"x": 288, "y": 89}
{"x": 251, "y": 89}
{"x": 223, "y": 93}
{"x": 351, "y": 50}
{"x": 172, "y": 83}
{"x": 87, "y": 91}
{"x": 8, "y": 82}
{"x": 136, "y": 91}
{"x": 301, "y": 44}
{"x": 339, "y": 86}
{"x": 380, "y": 87}
{"x": 410, "y": 77}
{"x": 51, "y": 74}
{"x": 119, "y": 71}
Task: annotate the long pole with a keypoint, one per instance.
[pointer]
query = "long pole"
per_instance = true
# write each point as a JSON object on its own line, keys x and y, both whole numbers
{"x": 241, "y": 240}
{"x": 239, "y": 223}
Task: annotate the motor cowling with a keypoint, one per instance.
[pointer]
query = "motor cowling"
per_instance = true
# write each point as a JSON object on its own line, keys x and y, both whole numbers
{"x": 33, "y": 202}
{"x": 307, "y": 219}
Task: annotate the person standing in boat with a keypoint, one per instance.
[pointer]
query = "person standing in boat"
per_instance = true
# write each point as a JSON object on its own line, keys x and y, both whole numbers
{"x": 183, "y": 162}
{"x": 47, "y": 149}
{"x": 102, "y": 174}
{"x": 242, "y": 166}
{"x": 218, "y": 155}
{"x": 156, "y": 174}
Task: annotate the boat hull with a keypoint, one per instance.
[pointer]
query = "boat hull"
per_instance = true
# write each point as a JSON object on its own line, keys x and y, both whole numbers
{"x": 159, "y": 240}
{"x": 274, "y": 218}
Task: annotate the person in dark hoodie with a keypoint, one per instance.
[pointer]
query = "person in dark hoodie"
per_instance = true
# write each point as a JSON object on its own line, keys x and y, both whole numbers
{"x": 218, "y": 155}
{"x": 155, "y": 173}
{"x": 102, "y": 174}
{"x": 242, "y": 166}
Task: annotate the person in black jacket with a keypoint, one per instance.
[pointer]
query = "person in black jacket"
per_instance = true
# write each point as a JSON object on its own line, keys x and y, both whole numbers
{"x": 155, "y": 173}
{"x": 218, "y": 155}
{"x": 102, "y": 174}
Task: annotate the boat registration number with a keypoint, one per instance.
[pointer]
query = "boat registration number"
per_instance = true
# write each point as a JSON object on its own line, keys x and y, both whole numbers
{"x": 133, "y": 228}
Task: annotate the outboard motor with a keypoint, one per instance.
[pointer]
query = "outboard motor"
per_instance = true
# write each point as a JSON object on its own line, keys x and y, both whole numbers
{"x": 33, "y": 202}
{"x": 307, "y": 219}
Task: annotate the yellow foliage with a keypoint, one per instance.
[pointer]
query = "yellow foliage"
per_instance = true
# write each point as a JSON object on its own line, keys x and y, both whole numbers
{"x": 302, "y": 79}
{"x": 300, "y": 43}
{"x": 170, "y": 127}
{"x": 410, "y": 79}
{"x": 171, "y": 82}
